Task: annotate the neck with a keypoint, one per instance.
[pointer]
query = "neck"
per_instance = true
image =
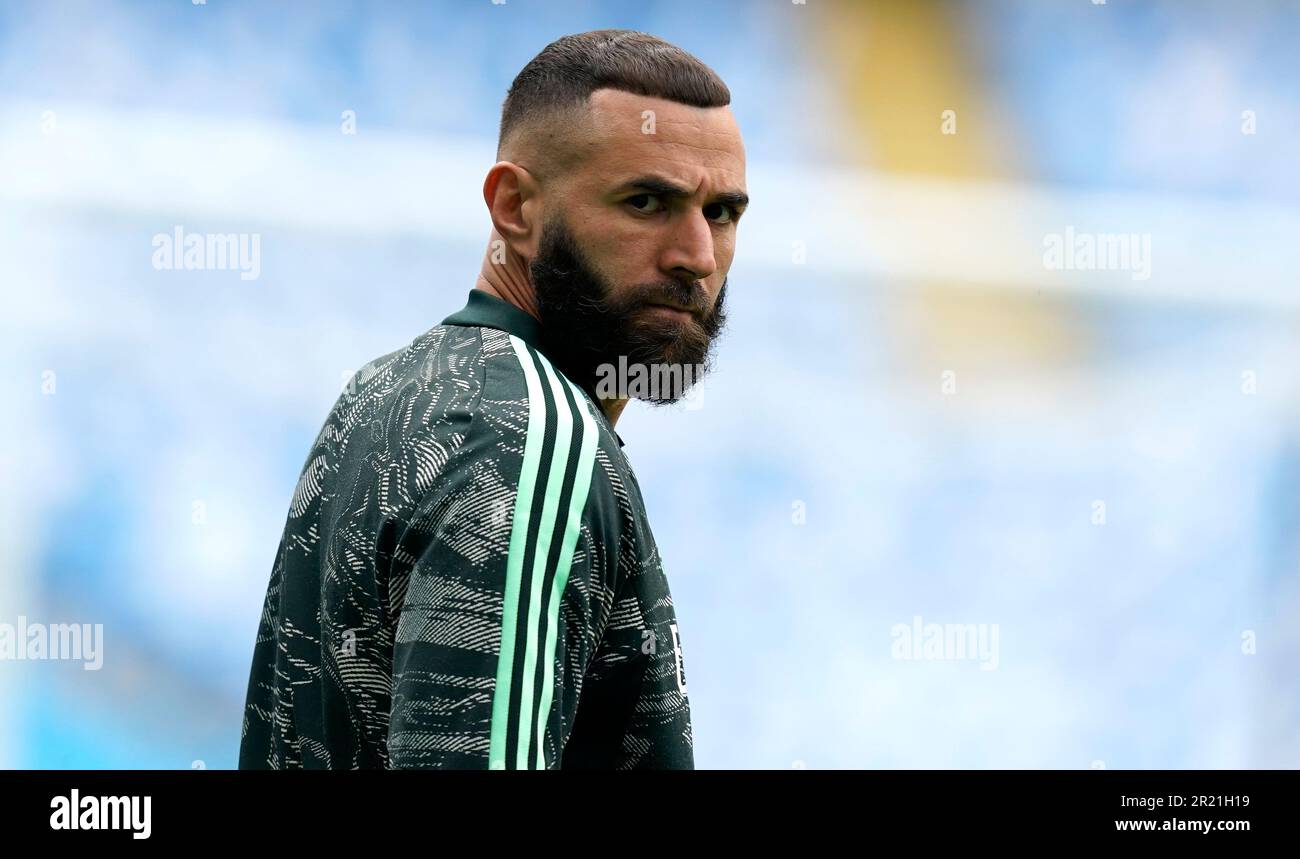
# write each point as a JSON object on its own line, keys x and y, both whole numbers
{"x": 505, "y": 274}
{"x": 508, "y": 280}
{"x": 612, "y": 409}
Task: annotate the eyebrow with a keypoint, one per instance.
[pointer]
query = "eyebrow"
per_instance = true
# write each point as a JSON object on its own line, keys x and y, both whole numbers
{"x": 665, "y": 188}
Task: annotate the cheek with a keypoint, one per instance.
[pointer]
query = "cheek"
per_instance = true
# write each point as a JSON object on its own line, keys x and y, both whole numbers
{"x": 615, "y": 256}
{"x": 724, "y": 250}
{"x": 621, "y": 250}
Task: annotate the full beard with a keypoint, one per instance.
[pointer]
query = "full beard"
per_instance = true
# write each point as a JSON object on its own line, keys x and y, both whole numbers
{"x": 587, "y": 325}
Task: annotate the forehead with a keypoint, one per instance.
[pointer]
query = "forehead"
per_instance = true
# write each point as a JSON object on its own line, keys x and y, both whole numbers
{"x": 627, "y": 132}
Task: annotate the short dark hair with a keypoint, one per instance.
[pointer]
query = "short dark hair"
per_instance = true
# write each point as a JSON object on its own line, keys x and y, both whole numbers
{"x": 571, "y": 68}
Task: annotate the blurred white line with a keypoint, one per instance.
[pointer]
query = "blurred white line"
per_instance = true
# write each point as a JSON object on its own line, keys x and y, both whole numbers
{"x": 894, "y": 229}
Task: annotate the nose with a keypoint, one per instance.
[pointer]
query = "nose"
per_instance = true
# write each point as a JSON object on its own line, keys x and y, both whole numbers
{"x": 690, "y": 248}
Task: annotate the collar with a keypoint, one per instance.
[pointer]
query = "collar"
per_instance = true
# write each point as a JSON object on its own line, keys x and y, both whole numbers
{"x": 484, "y": 310}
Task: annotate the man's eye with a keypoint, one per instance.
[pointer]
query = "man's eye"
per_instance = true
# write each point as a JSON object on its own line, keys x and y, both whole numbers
{"x": 719, "y": 213}
{"x": 646, "y": 204}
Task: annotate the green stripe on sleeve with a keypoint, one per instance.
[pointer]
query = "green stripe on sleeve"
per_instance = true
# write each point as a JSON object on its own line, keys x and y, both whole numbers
{"x": 519, "y": 536}
{"x": 572, "y": 527}
{"x": 542, "y": 532}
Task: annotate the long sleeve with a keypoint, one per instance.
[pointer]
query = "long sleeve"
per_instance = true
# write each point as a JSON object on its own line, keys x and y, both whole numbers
{"x": 508, "y": 593}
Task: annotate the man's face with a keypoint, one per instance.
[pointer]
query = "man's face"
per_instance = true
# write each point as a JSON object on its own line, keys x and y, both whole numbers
{"x": 639, "y": 236}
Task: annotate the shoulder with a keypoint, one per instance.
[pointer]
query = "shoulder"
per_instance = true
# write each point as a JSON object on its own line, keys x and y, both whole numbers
{"x": 563, "y": 449}
{"x": 435, "y": 380}
{"x": 466, "y": 404}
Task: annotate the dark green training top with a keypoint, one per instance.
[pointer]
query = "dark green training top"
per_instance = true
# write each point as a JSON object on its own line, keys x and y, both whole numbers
{"x": 467, "y": 577}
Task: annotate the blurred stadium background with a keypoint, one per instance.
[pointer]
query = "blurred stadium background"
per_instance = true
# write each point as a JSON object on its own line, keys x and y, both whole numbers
{"x": 912, "y": 415}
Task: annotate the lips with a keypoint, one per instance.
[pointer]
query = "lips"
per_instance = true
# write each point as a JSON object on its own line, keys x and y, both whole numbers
{"x": 677, "y": 307}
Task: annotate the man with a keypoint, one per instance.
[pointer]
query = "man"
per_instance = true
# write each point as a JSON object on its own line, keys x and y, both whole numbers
{"x": 467, "y": 578}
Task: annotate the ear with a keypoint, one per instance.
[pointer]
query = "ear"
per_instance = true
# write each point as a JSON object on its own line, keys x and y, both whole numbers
{"x": 514, "y": 202}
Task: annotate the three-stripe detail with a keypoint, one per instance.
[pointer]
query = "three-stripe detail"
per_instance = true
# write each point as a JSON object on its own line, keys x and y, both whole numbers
{"x": 559, "y": 457}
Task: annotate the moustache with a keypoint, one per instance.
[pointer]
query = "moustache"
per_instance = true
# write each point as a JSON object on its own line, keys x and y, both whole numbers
{"x": 689, "y": 296}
